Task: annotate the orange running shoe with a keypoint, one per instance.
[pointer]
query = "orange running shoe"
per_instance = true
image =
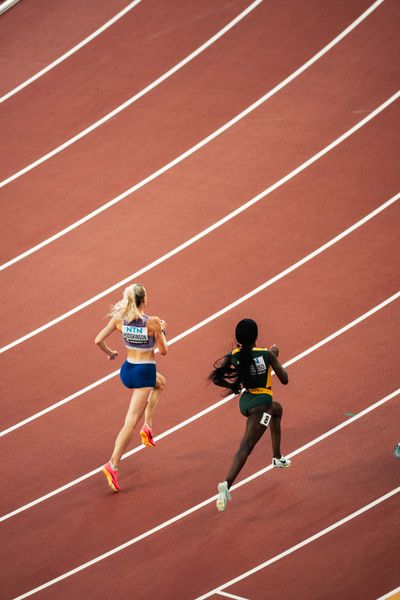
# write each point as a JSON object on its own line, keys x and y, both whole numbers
{"x": 111, "y": 476}
{"x": 147, "y": 437}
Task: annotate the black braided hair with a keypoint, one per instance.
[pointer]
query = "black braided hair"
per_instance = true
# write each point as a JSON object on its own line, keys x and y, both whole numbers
{"x": 246, "y": 334}
{"x": 225, "y": 373}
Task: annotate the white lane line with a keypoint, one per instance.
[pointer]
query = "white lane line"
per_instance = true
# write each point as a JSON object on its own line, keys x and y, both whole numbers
{"x": 222, "y": 311}
{"x": 390, "y": 595}
{"x": 7, "y": 5}
{"x": 131, "y": 100}
{"x": 305, "y": 542}
{"x": 209, "y": 229}
{"x": 226, "y": 595}
{"x": 202, "y": 413}
{"x": 70, "y": 52}
{"x": 194, "y": 148}
{"x": 219, "y": 313}
{"x": 197, "y": 507}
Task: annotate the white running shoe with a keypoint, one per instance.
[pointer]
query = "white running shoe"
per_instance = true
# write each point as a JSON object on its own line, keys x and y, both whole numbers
{"x": 281, "y": 463}
{"x": 223, "y": 496}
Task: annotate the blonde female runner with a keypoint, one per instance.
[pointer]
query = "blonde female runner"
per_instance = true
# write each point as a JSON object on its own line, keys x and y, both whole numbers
{"x": 141, "y": 334}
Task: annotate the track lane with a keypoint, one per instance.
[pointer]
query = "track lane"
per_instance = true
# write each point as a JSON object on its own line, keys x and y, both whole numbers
{"x": 47, "y": 29}
{"x": 37, "y": 373}
{"x": 124, "y": 59}
{"x": 210, "y": 408}
{"x": 197, "y": 146}
{"x": 146, "y": 563}
{"x": 359, "y": 276}
{"x": 103, "y": 169}
{"x": 186, "y": 462}
{"x": 73, "y": 262}
{"x": 271, "y": 514}
{"x": 336, "y": 565}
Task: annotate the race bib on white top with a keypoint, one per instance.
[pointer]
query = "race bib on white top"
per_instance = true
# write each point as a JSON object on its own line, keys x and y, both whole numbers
{"x": 135, "y": 335}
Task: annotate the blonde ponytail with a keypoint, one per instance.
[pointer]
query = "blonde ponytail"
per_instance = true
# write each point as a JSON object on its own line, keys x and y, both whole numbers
{"x": 128, "y": 309}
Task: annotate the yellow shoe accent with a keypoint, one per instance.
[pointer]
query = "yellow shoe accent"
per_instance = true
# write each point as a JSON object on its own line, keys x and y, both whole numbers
{"x": 146, "y": 440}
{"x": 109, "y": 480}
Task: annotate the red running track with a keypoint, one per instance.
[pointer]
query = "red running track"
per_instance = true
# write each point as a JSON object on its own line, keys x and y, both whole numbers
{"x": 340, "y": 474}
{"x": 305, "y": 225}
{"x": 177, "y": 115}
{"x": 94, "y": 80}
{"x": 24, "y": 466}
{"x": 46, "y": 30}
{"x": 200, "y": 180}
{"x": 45, "y": 541}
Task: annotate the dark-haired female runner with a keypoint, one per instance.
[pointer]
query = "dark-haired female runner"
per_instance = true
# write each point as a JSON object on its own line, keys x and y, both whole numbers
{"x": 248, "y": 369}
{"x": 141, "y": 334}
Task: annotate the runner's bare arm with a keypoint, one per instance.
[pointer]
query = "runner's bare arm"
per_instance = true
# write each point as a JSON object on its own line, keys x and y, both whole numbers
{"x": 159, "y": 334}
{"x": 104, "y": 333}
{"x": 281, "y": 373}
{"x": 274, "y": 348}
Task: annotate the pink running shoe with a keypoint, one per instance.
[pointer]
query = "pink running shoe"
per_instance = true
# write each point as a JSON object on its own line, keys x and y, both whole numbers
{"x": 147, "y": 437}
{"x": 112, "y": 477}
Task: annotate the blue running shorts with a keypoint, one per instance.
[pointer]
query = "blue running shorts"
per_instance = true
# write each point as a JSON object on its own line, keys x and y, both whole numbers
{"x": 138, "y": 375}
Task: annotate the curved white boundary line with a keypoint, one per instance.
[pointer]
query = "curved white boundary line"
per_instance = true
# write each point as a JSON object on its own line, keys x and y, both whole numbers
{"x": 300, "y": 545}
{"x": 70, "y": 52}
{"x": 390, "y": 595}
{"x": 221, "y": 312}
{"x": 7, "y": 5}
{"x": 207, "y": 410}
{"x": 226, "y": 595}
{"x": 201, "y": 505}
{"x": 209, "y": 229}
{"x": 134, "y": 98}
{"x": 191, "y": 150}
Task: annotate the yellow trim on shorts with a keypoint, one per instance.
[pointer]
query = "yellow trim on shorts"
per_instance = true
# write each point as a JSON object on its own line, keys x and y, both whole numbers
{"x": 260, "y": 391}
